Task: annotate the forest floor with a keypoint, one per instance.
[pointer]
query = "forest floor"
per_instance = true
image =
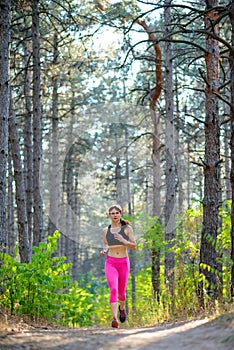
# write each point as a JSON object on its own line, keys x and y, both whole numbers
{"x": 202, "y": 334}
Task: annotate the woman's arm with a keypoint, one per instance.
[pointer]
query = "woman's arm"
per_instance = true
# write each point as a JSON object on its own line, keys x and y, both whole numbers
{"x": 131, "y": 244}
{"x": 105, "y": 244}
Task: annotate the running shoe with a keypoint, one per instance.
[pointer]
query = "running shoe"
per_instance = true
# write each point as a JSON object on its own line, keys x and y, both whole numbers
{"x": 115, "y": 323}
{"x": 122, "y": 315}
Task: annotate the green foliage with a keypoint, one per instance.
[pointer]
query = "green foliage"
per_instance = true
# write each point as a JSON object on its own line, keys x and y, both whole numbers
{"x": 186, "y": 249}
{"x": 224, "y": 241}
{"x": 148, "y": 310}
{"x": 43, "y": 288}
{"x": 153, "y": 236}
{"x": 123, "y": 10}
{"x": 99, "y": 290}
{"x": 76, "y": 307}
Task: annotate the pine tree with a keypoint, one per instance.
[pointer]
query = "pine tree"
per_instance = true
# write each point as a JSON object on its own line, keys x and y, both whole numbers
{"x": 4, "y": 113}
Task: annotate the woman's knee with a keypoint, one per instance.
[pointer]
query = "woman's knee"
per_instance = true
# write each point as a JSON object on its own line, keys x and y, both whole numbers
{"x": 113, "y": 295}
{"x": 122, "y": 296}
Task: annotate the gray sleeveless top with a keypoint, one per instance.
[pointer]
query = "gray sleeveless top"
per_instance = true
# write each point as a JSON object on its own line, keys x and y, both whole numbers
{"x": 111, "y": 239}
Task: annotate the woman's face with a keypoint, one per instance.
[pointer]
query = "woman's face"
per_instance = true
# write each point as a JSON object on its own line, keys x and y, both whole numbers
{"x": 115, "y": 214}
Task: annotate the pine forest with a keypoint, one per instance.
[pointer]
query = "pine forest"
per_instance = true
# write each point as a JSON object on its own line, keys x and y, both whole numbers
{"x": 108, "y": 102}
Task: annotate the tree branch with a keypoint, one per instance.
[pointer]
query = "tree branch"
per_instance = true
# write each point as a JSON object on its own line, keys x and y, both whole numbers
{"x": 197, "y": 119}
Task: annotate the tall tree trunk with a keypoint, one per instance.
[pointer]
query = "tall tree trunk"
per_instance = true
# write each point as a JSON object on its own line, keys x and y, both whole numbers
{"x": 121, "y": 189}
{"x": 54, "y": 166}
{"x": 118, "y": 180}
{"x": 38, "y": 234}
{"x": 231, "y": 62}
{"x": 188, "y": 172}
{"x": 170, "y": 159}
{"x": 76, "y": 230}
{"x": 227, "y": 137}
{"x": 132, "y": 253}
{"x": 72, "y": 230}
{"x": 156, "y": 155}
{"x": 4, "y": 113}
{"x": 20, "y": 188}
{"x": 70, "y": 243}
{"x": 28, "y": 142}
{"x": 11, "y": 235}
{"x": 156, "y": 158}
{"x": 211, "y": 200}
{"x": 127, "y": 170}
{"x": 179, "y": 151}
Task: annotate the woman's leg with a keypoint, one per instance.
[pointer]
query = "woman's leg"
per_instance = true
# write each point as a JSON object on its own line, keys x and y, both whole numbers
{"x": 114, "y": 310}
{"x": 122, "y": 303}
{"x": 124, "y": 270}
{"x": 117, "y": 272}
{"x": 112, "y": 279}
{"x": 122, "y": 286}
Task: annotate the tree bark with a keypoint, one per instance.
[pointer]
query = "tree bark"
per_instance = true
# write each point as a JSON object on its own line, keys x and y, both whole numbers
{"x": 211, "y": 200}
{"x": 156, "y": 210}
{"x": 4, "y": 113}
{"x": 28, "y": 142}
{"x": 54, "y": 166}
{"x": 231, "y": 62}
{"x": 170, "y": 158}
{"x": 20, "y": 188}
{"x": 156, "y": 156}
{"x": 38, "y": 233}
{"x": 227, "y": 137}
{"x": 11, "y": 234}
{"x": 132, "y": 253}
{"x": 72, "y": 208}
{"x": 70, "y": 244}
{"x": 179, "y": 152}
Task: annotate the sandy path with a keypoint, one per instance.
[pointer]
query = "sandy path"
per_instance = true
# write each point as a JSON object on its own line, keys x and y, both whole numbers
{"x": 194, "y": 335}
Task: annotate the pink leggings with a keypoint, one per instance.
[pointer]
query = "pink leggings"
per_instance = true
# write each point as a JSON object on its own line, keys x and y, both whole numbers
{"x": 117, "y": 271}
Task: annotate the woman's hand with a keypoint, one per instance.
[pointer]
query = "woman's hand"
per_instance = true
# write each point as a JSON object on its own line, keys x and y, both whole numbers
{"x": 103, "y": 252}
{"x": 131, "y": 244}
{"x": 120, "y": 238}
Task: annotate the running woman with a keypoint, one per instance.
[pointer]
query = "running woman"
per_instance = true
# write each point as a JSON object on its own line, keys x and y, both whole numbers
{"x": 117, "y": 237}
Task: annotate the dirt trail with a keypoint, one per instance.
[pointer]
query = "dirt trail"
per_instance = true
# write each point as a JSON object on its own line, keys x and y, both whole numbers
{"x": 194, "y": 335}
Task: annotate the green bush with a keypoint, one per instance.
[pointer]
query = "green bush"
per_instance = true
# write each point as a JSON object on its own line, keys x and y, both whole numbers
{"x": 43, "y": 288}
